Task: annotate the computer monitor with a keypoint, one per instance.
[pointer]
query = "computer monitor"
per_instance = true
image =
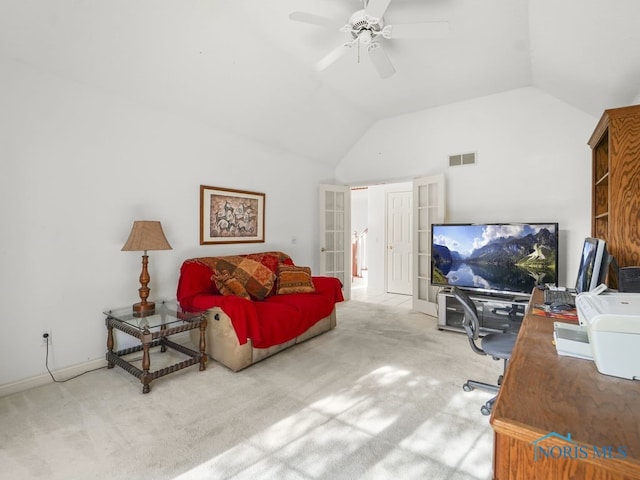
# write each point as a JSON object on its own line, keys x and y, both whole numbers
{"x": 591, "y": 271}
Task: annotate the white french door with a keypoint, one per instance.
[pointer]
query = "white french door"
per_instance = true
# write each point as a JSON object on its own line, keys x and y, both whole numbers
{"x": 335, "y": 235}
{"x": 428, "y": 208}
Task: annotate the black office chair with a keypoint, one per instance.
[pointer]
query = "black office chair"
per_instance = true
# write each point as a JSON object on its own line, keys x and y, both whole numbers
{"x": 496, "y": 345}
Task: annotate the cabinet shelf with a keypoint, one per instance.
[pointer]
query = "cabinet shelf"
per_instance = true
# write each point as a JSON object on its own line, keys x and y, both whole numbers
{"x": 604, "y": 180}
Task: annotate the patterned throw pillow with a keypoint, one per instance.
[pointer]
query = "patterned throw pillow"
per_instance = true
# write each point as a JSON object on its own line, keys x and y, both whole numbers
{"x": 228, "y": 285}
{"x": 257, "y": 279}
{"x": 294, "y": 279}
{"x": 271, "y": 260}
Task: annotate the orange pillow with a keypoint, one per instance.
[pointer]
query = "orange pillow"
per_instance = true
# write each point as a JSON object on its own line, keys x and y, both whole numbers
{"x": 294, "y": 279}
{"x": 228, "y": 285}
{"x": 257, "y": 279}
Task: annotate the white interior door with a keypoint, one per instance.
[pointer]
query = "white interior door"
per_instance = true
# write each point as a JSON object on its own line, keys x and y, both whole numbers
{"x": 399, "y": 252}
{"x": 335, "y": 234}
{"x": 428, "y": 208}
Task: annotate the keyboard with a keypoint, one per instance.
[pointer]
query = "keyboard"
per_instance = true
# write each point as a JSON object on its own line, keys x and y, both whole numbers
{"x": 559, "y": 296}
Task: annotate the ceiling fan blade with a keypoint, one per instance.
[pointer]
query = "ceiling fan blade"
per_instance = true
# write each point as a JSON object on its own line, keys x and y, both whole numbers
{"x": 380, "y": 60}
{"x": 314, "y": 19}
{"x": 332, "y": 56}
{"x": 416, "y": 30}
{"x": 375, "y": 8}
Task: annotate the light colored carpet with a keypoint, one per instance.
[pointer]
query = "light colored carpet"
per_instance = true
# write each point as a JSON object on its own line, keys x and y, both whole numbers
{"x": 379, "y": 397}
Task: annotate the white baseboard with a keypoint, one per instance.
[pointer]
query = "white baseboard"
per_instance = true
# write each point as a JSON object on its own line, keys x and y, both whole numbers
{"x": 64, "y": 373}
{"x": 45, "y": 378}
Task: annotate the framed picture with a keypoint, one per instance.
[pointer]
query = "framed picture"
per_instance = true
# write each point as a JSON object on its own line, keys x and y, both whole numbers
{"x": 230, "y": 216}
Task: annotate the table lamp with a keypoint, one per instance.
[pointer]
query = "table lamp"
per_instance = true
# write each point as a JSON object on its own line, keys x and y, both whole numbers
{"x": 145, "y": 235}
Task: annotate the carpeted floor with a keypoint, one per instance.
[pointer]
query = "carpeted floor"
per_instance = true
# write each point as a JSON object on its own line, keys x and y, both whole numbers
{"x": 379, "y": 397}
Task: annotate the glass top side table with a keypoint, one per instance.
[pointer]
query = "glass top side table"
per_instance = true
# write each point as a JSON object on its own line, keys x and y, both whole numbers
{"x": 153, "y": 330}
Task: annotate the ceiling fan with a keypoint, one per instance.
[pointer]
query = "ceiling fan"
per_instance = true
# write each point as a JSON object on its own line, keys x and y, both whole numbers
{"x": 367, "y": 28}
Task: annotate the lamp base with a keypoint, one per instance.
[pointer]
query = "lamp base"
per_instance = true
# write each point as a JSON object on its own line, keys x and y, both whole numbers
{"x": 143, "y": 309}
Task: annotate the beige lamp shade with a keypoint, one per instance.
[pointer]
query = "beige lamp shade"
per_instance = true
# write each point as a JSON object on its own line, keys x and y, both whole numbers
{"x": 146, "y": 235}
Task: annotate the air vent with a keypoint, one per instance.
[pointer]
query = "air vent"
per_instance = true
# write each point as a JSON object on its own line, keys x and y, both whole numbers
{"x": 462, "y": 159}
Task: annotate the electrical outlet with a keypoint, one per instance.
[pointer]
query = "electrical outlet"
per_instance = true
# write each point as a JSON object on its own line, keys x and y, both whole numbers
{"x": 46, "y": 337}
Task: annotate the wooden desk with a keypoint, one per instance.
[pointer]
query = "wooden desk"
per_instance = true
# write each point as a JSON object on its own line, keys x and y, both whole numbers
{"x": 544, "y": 393}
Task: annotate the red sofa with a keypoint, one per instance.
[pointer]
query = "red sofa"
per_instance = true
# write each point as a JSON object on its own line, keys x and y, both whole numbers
{"x": 242, "y": 331}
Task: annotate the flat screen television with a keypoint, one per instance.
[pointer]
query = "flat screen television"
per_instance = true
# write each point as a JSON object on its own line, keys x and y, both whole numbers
{"x": 593, "y": 259}
{"x": 494, "y": 257}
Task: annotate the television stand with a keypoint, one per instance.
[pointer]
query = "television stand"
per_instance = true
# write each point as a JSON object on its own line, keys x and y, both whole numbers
{"x": 499, "y": 312}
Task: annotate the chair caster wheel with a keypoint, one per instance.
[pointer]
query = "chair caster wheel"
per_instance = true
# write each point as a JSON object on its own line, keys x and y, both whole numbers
{"x": 485, "y": 410}
{"x": 467, "y": 388}
{"x": 500, "y": 380}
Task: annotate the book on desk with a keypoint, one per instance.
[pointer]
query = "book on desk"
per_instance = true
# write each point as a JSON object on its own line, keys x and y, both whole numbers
{"x": 548, "y": 311}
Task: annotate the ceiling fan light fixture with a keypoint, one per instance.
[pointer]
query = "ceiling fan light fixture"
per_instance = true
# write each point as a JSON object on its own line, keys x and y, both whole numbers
{"x": 365, "y": 37}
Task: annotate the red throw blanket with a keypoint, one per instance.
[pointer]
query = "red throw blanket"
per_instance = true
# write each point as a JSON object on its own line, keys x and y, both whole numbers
{"x": 275, "y": 320}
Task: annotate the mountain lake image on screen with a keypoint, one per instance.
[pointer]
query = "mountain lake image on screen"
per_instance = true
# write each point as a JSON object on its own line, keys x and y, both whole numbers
{"x": 512, "y": 257}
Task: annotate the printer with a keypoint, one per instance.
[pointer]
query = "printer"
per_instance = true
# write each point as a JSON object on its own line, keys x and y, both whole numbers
{"x": 612, "y": 321}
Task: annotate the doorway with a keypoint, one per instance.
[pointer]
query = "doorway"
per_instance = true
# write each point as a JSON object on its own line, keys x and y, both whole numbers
{"x": 373, "y": 265}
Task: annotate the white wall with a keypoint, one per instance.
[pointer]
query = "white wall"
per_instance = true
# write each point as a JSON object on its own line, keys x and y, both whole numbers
{"x": 360, "y": 223}
{"x": 359, "y": 210}
{"x": 78, "y": 167}
{"x": 533, "y": 162}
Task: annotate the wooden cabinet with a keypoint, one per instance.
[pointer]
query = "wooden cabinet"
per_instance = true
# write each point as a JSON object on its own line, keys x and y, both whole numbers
{"x": 615, "y": 145}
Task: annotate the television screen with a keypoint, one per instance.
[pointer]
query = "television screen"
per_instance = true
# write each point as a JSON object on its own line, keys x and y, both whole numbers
{"x": 591, "y": 272}
{"x": 496, "y": 258}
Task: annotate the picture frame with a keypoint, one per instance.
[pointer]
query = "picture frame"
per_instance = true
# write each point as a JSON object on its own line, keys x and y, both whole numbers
{"x": 231, "y": 216}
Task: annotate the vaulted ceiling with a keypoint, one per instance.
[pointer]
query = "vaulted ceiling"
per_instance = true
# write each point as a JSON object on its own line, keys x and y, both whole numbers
{"x": 244, "y": 66}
